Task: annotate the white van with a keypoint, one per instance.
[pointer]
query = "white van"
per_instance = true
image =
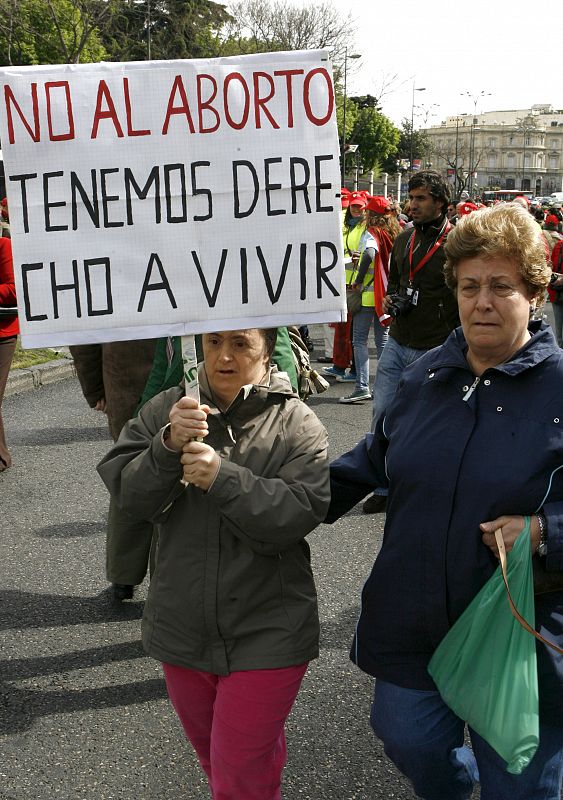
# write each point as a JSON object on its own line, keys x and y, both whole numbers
{"x": 556, "y": 197}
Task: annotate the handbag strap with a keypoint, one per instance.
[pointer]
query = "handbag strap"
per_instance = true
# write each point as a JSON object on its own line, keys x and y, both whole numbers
{"x": 515, "y": 612}
{"x": 364, "y": 285}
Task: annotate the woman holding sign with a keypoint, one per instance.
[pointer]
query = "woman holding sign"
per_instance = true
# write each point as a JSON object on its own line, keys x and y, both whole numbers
{"x": 231, "y": 611}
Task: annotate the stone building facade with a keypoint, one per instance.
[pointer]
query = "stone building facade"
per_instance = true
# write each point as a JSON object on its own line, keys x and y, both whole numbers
{"x": 518, "y": 149}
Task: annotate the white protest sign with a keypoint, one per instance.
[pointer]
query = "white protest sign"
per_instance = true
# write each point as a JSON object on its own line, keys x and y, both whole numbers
{"x": 173, "y": 197}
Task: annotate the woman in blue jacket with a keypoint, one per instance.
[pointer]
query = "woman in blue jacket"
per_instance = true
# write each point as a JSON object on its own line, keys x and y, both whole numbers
{"x": 472, "y": 442}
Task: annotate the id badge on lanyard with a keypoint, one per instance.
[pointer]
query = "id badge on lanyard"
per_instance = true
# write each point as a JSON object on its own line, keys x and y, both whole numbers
{"x": 412, "y": 293}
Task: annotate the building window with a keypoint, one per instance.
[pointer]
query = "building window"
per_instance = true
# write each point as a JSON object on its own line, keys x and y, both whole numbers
{"x": 553, "y": 162}
{"x": 511, "y": 161}
{"x": 492, "y": 142}
{"x": 492, "y": 162}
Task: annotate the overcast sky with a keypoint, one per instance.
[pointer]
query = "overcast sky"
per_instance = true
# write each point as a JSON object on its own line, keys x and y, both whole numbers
{"x": 510, "y": 48}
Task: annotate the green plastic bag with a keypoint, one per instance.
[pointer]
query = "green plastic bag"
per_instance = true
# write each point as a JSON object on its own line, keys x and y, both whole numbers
{"x": 485, "y": 667}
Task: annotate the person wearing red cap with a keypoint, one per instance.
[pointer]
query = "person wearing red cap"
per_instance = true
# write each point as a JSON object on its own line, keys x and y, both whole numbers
{"x": 552, "y": 231}
{"x": 371, "y": 280}
{"x": 554, "y": 241}
{"x": 327, "y": 328}
{"x": 466, "y": 208}
{"x": 358, "y": 245}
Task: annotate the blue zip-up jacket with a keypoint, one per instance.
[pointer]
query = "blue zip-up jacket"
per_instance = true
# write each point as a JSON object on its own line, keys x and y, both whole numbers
{"x": 456, "y": 451}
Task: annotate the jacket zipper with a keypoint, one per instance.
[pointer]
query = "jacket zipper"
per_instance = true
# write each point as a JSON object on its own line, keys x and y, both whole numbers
{"x": 471, "y": 389}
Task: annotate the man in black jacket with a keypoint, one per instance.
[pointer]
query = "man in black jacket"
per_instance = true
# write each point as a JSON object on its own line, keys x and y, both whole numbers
{"x": 424, "y": 310}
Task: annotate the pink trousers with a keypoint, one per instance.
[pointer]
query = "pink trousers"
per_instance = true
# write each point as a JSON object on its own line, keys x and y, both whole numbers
{"x": 236, "y": 726}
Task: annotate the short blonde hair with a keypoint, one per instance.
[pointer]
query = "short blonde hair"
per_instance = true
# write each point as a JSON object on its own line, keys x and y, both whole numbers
{"x": 504, "y": 230}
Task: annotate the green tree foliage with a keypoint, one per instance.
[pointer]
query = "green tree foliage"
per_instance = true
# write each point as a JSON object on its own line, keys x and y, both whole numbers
{"x": 352, "y": 112}
{"x": 167, "y": 28}
{"x": 72, "y": 31}
{"x": 367, "y": 101}
{"x": 52, "y": 31}
{"x": 375, "y": 135}
{"x": 421, "y": 148}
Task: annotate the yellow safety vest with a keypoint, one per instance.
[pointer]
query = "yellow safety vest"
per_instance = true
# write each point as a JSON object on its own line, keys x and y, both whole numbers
{"x": 352, "y": 242}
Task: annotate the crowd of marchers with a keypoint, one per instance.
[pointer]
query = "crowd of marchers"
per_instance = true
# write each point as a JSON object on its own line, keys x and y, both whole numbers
{"x": 217, "y": 496}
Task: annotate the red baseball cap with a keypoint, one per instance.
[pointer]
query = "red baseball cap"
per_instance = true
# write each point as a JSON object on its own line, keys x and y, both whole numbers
{"x": 552, "y": 220}
{"x": 466, "y": 208}
{"x": 378, "y": 204}
{"x": 357, "y": 199}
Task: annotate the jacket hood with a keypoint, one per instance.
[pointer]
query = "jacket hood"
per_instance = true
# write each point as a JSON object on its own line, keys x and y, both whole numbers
{"x": 538, "y": 348}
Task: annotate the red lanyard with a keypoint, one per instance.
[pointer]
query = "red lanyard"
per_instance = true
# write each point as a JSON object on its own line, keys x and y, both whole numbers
{"x": 441, "y": 236}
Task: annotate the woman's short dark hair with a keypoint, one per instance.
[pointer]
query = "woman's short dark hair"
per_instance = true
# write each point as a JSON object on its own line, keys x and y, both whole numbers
{"x": 270, "y": 335}
{"x": 437, "y": 187}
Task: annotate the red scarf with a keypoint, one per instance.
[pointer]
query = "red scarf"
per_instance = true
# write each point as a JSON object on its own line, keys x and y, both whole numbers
{"x": 381, "y": 271}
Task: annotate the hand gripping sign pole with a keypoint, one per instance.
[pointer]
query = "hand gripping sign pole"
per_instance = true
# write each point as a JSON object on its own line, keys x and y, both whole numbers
{"x": 189, "y": 361}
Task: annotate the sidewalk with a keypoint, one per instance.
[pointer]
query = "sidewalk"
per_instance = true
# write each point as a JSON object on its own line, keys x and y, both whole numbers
{"x": 22, "y": 380}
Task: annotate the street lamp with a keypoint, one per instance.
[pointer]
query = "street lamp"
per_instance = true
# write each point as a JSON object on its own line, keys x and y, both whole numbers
{"x": 475, "y": 98}
{"x": 359, "y": 171}
{"x": 427, "y": 112}
{"x": 346, "y": 57}
{"x": 414, "y": 89}
{"x": 472, "y": 165}
{"x": 456, "y": 179}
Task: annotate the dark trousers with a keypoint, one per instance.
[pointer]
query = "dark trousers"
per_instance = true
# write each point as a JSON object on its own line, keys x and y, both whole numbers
{"x": 7, "y": 347}
{"x": 128, "y": 547}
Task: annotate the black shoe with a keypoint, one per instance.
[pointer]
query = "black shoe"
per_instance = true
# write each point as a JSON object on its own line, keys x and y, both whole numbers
{"x": 324, "y": 359}
{"x": 122, "y": 591}
{"x": 375, "y": 504}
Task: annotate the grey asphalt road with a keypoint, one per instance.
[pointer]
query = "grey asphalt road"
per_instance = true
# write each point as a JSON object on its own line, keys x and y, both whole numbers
{"x": 83, "y": 713}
